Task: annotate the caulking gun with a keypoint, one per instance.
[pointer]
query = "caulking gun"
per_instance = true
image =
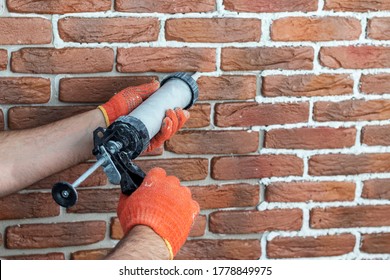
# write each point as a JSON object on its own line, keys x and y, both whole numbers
{"x": 125, "y": 139}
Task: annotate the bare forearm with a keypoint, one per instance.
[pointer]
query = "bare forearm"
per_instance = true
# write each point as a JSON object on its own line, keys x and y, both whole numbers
{"x": 31, "y": 155}
{"x": 141, "y": 243}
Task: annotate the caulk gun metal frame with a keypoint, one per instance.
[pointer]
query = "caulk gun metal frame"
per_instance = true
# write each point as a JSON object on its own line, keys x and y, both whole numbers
{"x": 127, "y": 137}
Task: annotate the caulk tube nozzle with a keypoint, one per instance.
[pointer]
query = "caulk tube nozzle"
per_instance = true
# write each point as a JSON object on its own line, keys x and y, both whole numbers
{"x": 177, "y": 91}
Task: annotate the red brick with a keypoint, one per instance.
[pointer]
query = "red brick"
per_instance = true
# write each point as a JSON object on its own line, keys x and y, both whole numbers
{"x": 263, "y": 58}
{"x": 356, "y": 6}
{"x": 307, "y": 85}
{"x": 165, "y": 6}
{"x": 376, "y": 243}
{"x": 376, "y": 135}
{"x": 29, "y": 117}
{"x": 310, "y": 138}
{"x": 227, "y": 249}
{"x": 376, "y": 189}
{"x": 28, "y": 205}
{"x": 266, "y": 6}
{"x": 244, "y": 222}
{"x": 22, "y": 31}
{"x": 226, "y": 196}
{"x": 97, "y": 89}
{"x": 198, "y": 228}
{"x": 58, "y": 6}
{"x": 142, "y": 59}
{"x": 355, "y": 57}
{"x": 186, "y": 169}
{"x": 213, "y": 30}
{"x": 344, "y": 164}
{"x": 95, "y": 254}
{"x": 66, "y": 60}
{"x": 98, "y": 178}
{"x": 378, "y": 28}
{"x": 24, "y": 90}
{"x": 200, "y": 116}
{"x": 120, "y": 29}
{"x": 213, "y": 142}
{"x": 315, "y": 29}
{"x": 352, "y": 110}
{"x": 48, "y": 256}
{"x": 375, "y": 84}
{"x": 310, "y": 191}
{"x": 1, "y": 120}
{"x": 310, "y": 247}
{"x": 254, "y": 167}
{"x": 227, "y": 87}
{"x": 252, "y": 114}
{"x": 3, "y": 59}
{"x": 29, "y": 236}
{"x": 96, "y": 201}
{"x": 347, "y": 217}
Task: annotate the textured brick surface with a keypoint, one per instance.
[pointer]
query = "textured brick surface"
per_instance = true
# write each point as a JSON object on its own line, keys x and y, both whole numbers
{"x": 29, "y": 205}
{"x": 310, "y": 138}
{"x": 213, "y": 142}
{"x": 234, "y": 222}
{"x": 3, "y": 59}
{"x": 356, "y": 6}
{"x": 57, "y": 7}
{"x": 352, "y": 110}
{"x": 24, "y": 90}
{"x": 185, "y": 169}
{"x": 170, "y": 60}
{"x": 310, "y": 191}
{"x": 249, "y": 113}
{"x": 375, "y": 84}
{"x": 66, "y": 60}
{"x": 165, "y": 6}
{"x": 226, "y": 196}
{"x": 307, "y": 85}
{"x": 200, "y": 116}
{"x": 349, "y": 217}
{"x": 91, "y": 30}
{"x": 257, "y": 166}
{"x": 376, "y": 135}
{"x": 214, "y": 30}
{"x": 225, "y": 249}
{"x": 236, "y": 59}
{"x": 376, "y": 189}
{"x": 48, "y": 256}
{"x": 315, "y": 29}
{"x": 1, "y": 120}
{"x": 308, "y": 247}
{"x": 378, "y": 28}
{"x": 19, "y": 31}
{"x": 227, "y": 87}
{"x": 96, "y": 254}
{"x": 30, "y": 236}
{"x": 355, "y": 57}
{"x": 376, "y": 243}
{"x": 265, "y": 6}
{"x": 343, "y": 164}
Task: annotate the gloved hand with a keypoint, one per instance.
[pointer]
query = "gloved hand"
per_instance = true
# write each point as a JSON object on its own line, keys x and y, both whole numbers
{"x": 130, "y": 98}
{"x": 162, "y": 204}
{"x": 127, "y": 100}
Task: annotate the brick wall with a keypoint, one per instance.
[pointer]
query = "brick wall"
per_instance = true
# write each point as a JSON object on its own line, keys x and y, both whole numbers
{"x": 286, "y": 151}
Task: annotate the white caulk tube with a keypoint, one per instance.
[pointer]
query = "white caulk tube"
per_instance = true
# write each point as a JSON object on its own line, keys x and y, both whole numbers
{"x": 174, "y": 93}
{"x": 177, "y": 91}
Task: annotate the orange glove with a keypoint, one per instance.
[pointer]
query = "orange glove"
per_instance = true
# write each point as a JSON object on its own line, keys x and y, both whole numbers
{"x": 173, "y": 121}
{"x": 162, "y": 204}
{"x": 127, "y": 100}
